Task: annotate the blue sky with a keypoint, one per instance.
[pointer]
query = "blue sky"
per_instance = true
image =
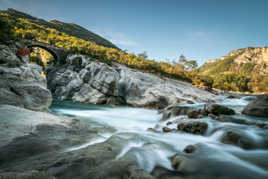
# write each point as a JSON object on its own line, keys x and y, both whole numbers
{"x": 198, "y": 29}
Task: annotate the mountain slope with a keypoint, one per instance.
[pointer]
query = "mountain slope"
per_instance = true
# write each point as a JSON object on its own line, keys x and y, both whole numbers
{"x": 246, "y": 61}
{"x": 241, "y": 70}
{"x": 68, "y": 28}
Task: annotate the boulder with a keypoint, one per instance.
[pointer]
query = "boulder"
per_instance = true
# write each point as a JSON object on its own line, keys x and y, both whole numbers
{"x": 22, "y": 84}
{"x": 193, "y": 126}
{"x": 234, "y": 96}
{"x": 135, "y": 172}
{"x": 216, "y": 109}
{"x": 173, "y": 111}
{"x": 166, "y": 129}
{"x": 238, "y": 139}
{"x": 25, "y": 133}
{"x": 194, "y": 114}
{"x": 189, "y": 149}
{"x": 210, "y": 162}
{"x": 114, "y": 81}
{"x": 258, "y": 108}
{"x": 223, "y": 118}
{"x": 26, "y": 175}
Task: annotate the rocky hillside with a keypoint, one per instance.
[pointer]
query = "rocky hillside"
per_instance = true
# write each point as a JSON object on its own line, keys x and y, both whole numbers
{"x": 68, "y": 28}
{"x": 241, "y": 70}
{"x": 244, "y": 61}
{"x": 98, "y": 83}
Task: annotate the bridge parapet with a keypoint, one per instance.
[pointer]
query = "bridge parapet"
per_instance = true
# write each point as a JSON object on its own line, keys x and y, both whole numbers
{"x": 59, "y": 54}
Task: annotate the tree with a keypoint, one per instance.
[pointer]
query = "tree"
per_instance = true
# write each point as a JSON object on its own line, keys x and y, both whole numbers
{"x": 182, "y": 59}
{"x": 143, "y": 55}
{"x": 188, "y": 64}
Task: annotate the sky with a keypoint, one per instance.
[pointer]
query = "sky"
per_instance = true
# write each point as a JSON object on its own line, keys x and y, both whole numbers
{"x": 165, "y": 29}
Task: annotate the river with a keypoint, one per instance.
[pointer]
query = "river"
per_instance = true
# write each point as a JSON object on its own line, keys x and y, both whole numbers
{"x": 129, "y": 120}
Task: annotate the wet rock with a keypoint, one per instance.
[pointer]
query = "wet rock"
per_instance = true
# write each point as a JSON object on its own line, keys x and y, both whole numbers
{"x": 223, "y": 118}
{"x": 212, "y": 116}
{"x": 212, "y": 162}
{"x": 26, "y": 175}
{"x": 151, "y": 130}
{"x": 238, "y": 139}
{"x": 182, "y": 164}
{"x": 233, "y": 96}
{"x": 115, "y": 101}
{"x": 25, "y": 133}
{"x": 217, "y": 109}
{"x": 134, "y": 172}
{"x": 169, "y": 123}
{"x": 189, "y": 149}
{"x": 194, "y": 114}
{"x": 173, "y": 111}
{"x": 194, "y": 127}
{"x": 249, "y": 98}
{"x": 258, "y": 108}
{"x": 166, "y": 129}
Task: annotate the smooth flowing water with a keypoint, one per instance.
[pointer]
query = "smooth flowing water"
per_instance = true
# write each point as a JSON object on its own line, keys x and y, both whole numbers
{"x": 128, "y": 120}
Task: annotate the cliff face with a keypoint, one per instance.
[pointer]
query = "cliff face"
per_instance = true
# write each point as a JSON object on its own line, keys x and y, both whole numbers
{"x": 247, "y": 60}
{"x": 21, "y": 83}
{"x": 85, "y": 80}
{"x": 257, "y": 56}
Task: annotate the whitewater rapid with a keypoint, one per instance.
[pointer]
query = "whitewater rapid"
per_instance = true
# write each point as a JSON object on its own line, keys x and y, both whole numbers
{"x": 132, "y": 124}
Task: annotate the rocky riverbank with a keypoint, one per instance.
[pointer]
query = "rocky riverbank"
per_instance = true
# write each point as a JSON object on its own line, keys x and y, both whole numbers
{"x": 21, "y": 83}
{"x": 83, "y": 80}
{"x": 190, "y": 139}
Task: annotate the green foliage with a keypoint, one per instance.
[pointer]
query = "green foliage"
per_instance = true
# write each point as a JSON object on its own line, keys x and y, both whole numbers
{"x": 36, "y": 60}
{"x": 231, "y": 82}
{"x": 23, "y": 29}
{"x": 246, "y": 68}
{"x": 6, "y": 32}
{"x": 188, "y": 64}
{"x": 143, "y": 55}
{"x": 202, "y": 80}
{"x": 221, "y": 74}
{"x": 221, "y": 65}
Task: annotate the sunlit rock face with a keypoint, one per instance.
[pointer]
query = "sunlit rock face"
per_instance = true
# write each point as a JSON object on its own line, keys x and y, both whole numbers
{"x": 255, "y": 57}
{"x": 21, "y": 83}
{"x": 87, "y": 81}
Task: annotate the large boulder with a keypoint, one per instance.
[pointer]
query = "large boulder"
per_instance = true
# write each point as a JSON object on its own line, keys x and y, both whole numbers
{"x": 193, "y": 126}
{"x": 26, "y": 175}
{"x": 258, "y": 108}
{"x": 238, "y": 138}
{"x": 135, "y": 172}
{"x": 21, "y": 83}
{"x": 208, "y": 162}
{"x": 216, "y": 109}
{"x": 173, "y": 111}
{"x": 25, "y": 133}
{"x": 84, "y": 80}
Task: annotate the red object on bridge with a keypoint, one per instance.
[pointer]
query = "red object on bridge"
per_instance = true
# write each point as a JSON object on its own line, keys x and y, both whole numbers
{"x": 23, "y": 51}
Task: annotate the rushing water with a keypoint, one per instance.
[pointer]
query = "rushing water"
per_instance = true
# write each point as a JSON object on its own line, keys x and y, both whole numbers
{"x": 125, "y": 120}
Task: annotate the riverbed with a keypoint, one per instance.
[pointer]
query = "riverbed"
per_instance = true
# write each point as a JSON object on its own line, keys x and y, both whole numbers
{"x": 133, "y": 124}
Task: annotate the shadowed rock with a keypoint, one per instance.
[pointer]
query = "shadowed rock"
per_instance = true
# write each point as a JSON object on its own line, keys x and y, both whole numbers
{"x": 258, "y": 108}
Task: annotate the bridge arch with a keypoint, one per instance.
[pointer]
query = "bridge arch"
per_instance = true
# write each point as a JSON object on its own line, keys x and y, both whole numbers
{"x": 53, "y": 53}
{"x": 59, "y": 54}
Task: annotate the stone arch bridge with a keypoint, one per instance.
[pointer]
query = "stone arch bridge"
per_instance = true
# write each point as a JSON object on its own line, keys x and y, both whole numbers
{"x": 59, "y": 54}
